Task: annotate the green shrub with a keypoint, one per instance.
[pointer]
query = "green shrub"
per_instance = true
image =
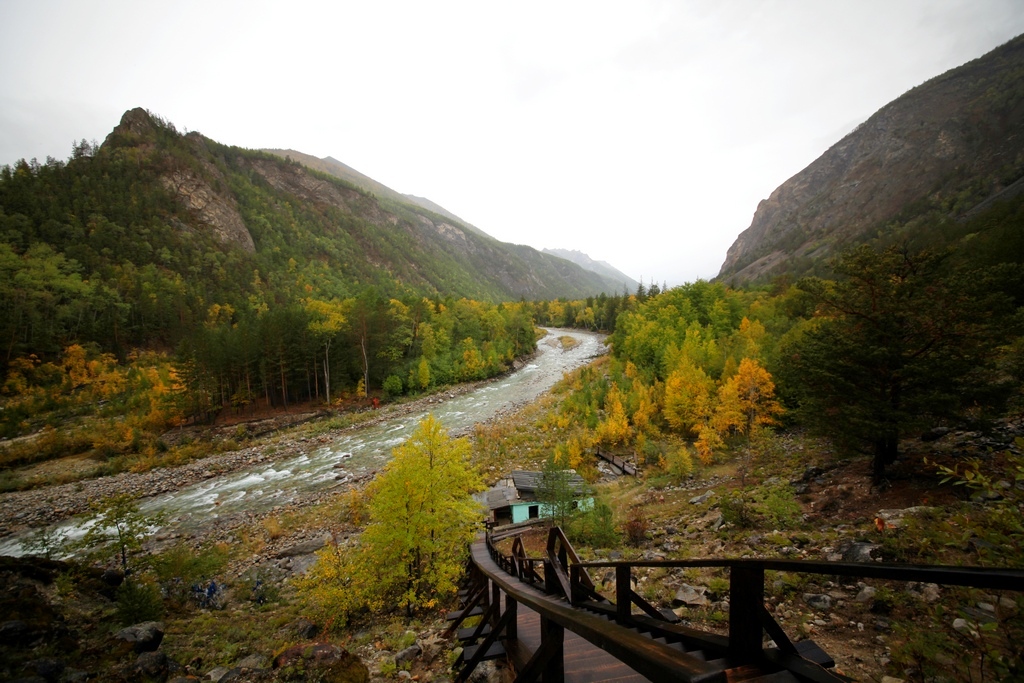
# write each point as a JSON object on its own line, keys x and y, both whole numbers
{"x": 181, "y": 567}
{"x": 772, "y": 507}
{"x": 393, "y": 386}
{"x": 138, "y": 601}
{"x": 595, "y": 527}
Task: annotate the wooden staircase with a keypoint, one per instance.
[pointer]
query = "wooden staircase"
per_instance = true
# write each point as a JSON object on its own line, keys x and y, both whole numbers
{"x": 545, "y": 615}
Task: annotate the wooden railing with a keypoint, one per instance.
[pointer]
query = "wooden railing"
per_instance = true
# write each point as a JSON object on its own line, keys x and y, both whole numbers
{"x": 561, "y": 572}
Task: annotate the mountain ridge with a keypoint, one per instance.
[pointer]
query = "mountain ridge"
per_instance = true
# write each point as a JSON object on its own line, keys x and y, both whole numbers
{"x": 486, "y": 268}
{"x": 942, "y": 148}
{"x": 600, "y": 267}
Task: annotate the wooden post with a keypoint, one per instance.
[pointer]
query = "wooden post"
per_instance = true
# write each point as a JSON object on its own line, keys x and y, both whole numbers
{"x": 511, "y": 608}
{"x": 623, "y": 588}
{"x": 550, "y": 578}
{"x": 553, "y": 640}
{"x": 746, "y": 602}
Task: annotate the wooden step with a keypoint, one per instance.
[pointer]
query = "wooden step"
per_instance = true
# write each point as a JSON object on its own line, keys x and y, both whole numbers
{"x": 777, "y": 677}
{"x": 810, "y": 651}
{"x": 458, "y": 614}
{"x": 493, "y": 652}
{"x": 670, "y": 616}
{"x": 466, "y": 634}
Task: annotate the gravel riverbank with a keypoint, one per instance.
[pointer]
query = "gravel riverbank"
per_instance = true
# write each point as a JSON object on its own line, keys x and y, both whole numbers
{"x": 23, "y": 510}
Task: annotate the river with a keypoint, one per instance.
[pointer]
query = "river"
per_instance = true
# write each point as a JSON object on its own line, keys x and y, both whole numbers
{"x": 357, "y": 452}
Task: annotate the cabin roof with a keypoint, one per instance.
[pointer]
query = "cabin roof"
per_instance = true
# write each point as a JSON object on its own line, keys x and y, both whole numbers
{"x": 528, "y": 482}
{"x": 521, "y": 487}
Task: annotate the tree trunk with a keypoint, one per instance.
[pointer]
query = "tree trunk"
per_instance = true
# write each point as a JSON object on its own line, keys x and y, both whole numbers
{"x": 886, "y": 451}
{"x": 366, "y": 364}
{"x": 327, "y": 371}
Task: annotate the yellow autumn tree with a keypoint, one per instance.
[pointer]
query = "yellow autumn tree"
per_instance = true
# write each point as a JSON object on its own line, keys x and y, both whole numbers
{"x": 747, "y": 400}
{"x": 471, "y": 364}
{"x": 327, "y": 319}
{"x": 615, "y": 426}
{"x": 689, "y": 397}
{"x": 421, "y": 518}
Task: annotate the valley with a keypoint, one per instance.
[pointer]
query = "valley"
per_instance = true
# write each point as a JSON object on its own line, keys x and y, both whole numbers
{"x": 228, "y": 489}
{"x": 248, "y": 397}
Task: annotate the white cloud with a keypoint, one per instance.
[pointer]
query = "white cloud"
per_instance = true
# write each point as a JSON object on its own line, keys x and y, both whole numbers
{"x": 641, "y": 133}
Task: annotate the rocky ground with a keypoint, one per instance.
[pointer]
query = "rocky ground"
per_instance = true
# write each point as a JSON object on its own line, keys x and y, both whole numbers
{"x": 256, "y": 631}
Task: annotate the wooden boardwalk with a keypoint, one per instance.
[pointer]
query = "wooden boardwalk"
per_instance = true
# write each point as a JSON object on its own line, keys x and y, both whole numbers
{"x": 583, "y": 661}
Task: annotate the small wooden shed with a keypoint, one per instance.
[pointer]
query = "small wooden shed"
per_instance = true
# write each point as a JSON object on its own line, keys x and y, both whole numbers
{"x": 514, "y": 498}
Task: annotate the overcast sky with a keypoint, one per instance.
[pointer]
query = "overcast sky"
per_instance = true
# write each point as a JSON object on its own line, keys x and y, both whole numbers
{"x": 642, "y": 133}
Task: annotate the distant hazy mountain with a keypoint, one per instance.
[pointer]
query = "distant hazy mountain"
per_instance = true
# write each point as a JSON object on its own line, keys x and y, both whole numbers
{"x": 438, "y": 209}
{"x": 918, "y": 167}
{"x": 600, "y": 267}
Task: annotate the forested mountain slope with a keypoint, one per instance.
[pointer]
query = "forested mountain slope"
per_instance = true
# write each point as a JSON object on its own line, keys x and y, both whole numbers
{"x": 157, "y": 226}
{"x": 918, "y": 169}
{"x": 341, "y": 170}
{"x": 236, "y": 278}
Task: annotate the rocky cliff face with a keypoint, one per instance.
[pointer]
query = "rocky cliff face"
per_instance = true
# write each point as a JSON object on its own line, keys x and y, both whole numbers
{"x": 216, "y": 212}
{"x": 213, "y": 210}
{"x": 951, "y": 143}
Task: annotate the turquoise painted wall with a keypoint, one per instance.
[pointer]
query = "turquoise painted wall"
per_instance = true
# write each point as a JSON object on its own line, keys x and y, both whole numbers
{"x": 521, "y": 511}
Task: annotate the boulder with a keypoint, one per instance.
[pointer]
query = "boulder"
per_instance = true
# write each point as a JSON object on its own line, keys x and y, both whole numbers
{"x": 144, "y": 637}
{"x": 252, "y": 662}
{"x": 333, "y": 664}
{"x": 897, "y": 518}
{"x": 866, "y": 594}
{"x": 152, "y": 664}
{"x": 217, "y": 673}
{"x": 818, "y": 601}
{"x": 408, "y": 654}
{"x": 860, "y": 552}
{"x": 48, "y": 669}
{"x": 691, "y": 596}
{"x": 702, "y": 498}
{"x": 305, "y": 628}
{"x": 306, "y": 547}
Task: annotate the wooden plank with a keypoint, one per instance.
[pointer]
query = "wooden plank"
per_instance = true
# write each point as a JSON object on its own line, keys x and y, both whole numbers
{"x": 457, "y": 614}
{"x": 810, "y": 651}
{"x": 493, "y": 652}
{"x": 465, "y": 634}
